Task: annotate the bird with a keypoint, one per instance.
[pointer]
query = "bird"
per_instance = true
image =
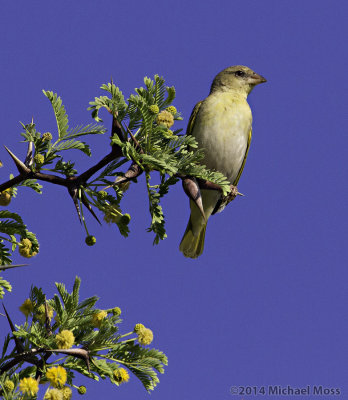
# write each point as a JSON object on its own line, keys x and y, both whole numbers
{"x": 221, "y": 124}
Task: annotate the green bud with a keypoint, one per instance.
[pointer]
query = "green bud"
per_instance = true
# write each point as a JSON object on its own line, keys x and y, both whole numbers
{"x": 81, "y": 390}
{"x": 116, "y": 311}
{"x": 39, "y": 159}
{"x": 154, "y": 109}
{"x": 8, "y": 385}
{"x": 172, "y": 110}
{"x": 125, "y": 219}
{"x": 90, "y": 240}
{"x": 102, "y": 194}
{"x": 47, "y": 136}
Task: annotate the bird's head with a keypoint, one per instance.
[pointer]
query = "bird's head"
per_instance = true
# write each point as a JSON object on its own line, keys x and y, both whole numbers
{"x": 238, "y": 79}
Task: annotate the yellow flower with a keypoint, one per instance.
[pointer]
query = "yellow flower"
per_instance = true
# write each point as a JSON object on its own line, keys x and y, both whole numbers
{"x": 25, "y": 246}
{"x": 138, "y": 327}
{"x": 172, "y": 110}
{"x": 5, "y": 197}
{"x": 57, "y": 376}
{"x": 98, "y": 318}
{"x": 145, "y": 336}
{"x": 53, "y": 394}
{"x": 65, "y": 339}
{"x": 121, "y": 375}
{"x": 165, "y": 118}
{"x": 27, "y": 307}
{"x": 29, "y": 386}
{"x": 66, "y": 392}
{"x": 8, "y": 385}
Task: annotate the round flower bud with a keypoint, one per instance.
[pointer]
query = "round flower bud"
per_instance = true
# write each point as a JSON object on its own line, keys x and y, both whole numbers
{"x": 171, "y": 109}
{"x": 65, "y": 339}
{"x": 121, "y": 375}
{"x": 8, "y": 385}
{"x": 138, "y": 327}
{"x": 25, "y": 248}
{"x": 98, "y": 318}
{"x": 39, "y": 158}
{"x": 47, "y": 136}
{"x": 90, "y": 240}
{"x": 27, "y": 307}
{"x": 125, "y": 219}
{"x": 165, "y": 118}
{"x": 5, "y": 197}
{"x": 154, "y": 109}
{"x": 81, "y": 390}
{"x": 145, "y": 336}
{"x": 116, "y": 311}
{"x": 102, "y": 194}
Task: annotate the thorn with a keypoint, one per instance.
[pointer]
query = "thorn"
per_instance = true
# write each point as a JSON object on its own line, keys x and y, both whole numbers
{"x": 111, "y": 80}
{"x": 240, "y": 194}
{"x": 192, "y": 190}
{"x": 32, "y": 120}
{"x": 73, "y": 194}
{"x": 79, "y": 353}
{"x": 47, "y": 320}
{"x": 88, "y": 206}
{"x": 22, "y": 168}
{"x": 29, "y": 158}
{"x": 19, "y": 344}
{"x": 5, "y": 267}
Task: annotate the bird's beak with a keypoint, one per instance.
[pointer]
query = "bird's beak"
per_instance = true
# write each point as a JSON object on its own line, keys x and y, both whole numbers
{"x": 256, "y": 79}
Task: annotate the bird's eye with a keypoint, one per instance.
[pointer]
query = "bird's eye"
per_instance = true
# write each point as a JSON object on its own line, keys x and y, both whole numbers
{"x": 240, "y": 73}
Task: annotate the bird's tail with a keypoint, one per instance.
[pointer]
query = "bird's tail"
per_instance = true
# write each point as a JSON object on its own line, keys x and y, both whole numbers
{"x": 192, "y": 245}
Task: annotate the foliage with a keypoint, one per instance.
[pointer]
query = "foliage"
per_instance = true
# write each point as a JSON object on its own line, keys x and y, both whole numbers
{"x": 99, "y": 349}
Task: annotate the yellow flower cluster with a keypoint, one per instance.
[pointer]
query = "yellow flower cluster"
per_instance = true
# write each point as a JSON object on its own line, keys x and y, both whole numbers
{"x": 82, "y": 389}
{"x": 29, "y": 386}
{"x": 165, "y": 118}
{"x": 172, "y": 110}
{"x": 57, "y": 376}
{"x": 145, "y": 335}
{"x": 25, "y": 250}
{"x": 98, "y": 318}
{"x": 39, "y": 158}
{"x": 53, "y": 394}
{"x": 8, "y": 385}
{"x": 121, "y": 375}
{"x": 27, "y": 307}
{"x": 5, "y": 197}
{"x": 65, "y": 339}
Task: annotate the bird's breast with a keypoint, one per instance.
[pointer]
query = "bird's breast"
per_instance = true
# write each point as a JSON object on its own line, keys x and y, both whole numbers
{"x": 222, "y": 129}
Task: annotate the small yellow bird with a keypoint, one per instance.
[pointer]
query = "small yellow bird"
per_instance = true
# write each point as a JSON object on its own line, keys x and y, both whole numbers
{"x": 221, "y": 124}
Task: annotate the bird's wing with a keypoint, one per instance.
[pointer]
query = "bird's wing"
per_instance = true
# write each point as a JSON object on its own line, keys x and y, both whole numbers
{"x": 192, "y": 119}
{"x": 235, "y": 182}
{"x": 224, "y": 200}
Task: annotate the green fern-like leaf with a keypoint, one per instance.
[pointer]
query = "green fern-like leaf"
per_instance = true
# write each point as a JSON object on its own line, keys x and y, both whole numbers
{"x": 59, "y": 112}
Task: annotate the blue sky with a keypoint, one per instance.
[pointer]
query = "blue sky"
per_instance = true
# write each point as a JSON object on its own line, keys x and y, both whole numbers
{"x": 266, "y": 302}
